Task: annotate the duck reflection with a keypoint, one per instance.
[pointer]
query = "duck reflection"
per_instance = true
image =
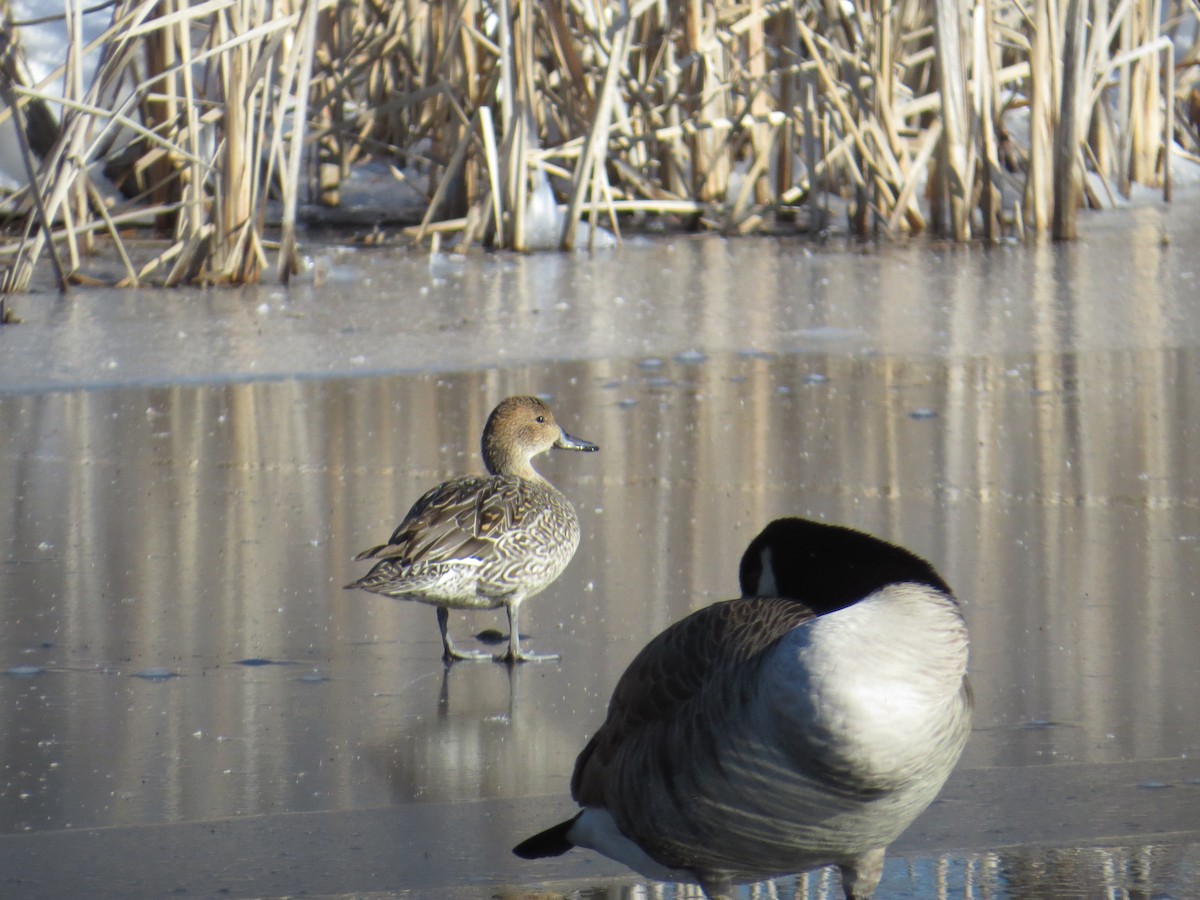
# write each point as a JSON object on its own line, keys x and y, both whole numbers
{"x": 805, "y": 724}
{"x": 460, "y": 744}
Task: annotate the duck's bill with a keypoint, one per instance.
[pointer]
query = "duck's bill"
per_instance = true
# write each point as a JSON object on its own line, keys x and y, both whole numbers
{"x": 566, "y": 442}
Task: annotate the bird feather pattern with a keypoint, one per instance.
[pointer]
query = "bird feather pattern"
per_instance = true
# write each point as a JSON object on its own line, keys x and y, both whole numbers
{"x": 489, "y": 520}
{"x": 769, "y": 735}
{"x": 478, "y": 542}
{"x": 696, "y": 655}
{"x": 693, "y": 726}
{"x": 459, "y": 519}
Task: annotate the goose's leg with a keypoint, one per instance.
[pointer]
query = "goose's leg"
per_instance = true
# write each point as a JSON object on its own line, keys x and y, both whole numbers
{"x": 514, "y": 652}
{"x": 861, "y": 876}
{"x": 449, "y": 652}
{"x": 716, "y": 887}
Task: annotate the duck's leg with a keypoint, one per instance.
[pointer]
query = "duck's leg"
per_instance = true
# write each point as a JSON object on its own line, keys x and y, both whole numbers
{"x": 514, "y": 652}
{"x": 449, "y": 652}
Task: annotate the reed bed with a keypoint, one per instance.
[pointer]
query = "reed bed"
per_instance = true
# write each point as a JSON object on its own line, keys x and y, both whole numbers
{"x": 544, "y": 124}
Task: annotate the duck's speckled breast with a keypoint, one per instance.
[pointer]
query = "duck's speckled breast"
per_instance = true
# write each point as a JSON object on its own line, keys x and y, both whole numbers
{"x": 534, "y": 550}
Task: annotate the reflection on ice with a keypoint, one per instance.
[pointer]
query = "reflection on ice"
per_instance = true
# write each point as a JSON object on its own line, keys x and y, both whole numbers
{"x": 220, "y": 531}
{"x": 1164, "y": 871}
{"x": 156, "y": 673}
{"x": 23, "y": 671}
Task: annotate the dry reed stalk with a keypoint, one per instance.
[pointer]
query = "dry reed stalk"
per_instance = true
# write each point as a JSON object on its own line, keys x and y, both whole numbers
{"x": 76, "y": 208}
{"x": 297, "y": 69}
{"x": 762, "y": 136}
{"x": 1067, "y": 179}
{"x": 492, "y": 158}
{"x": 985, "y": 64}
{"x": 954, "y": 178}
{"x": 590, "y": 165}
{"x": 1147, "y": 96}
{"x": 706, "y": 101}
{"x": 1042, "y": 119}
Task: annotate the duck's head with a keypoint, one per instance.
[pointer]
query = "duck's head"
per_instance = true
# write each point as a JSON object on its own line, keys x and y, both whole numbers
{"x": 519, "y": 429}
{"x": 827, "y": 567}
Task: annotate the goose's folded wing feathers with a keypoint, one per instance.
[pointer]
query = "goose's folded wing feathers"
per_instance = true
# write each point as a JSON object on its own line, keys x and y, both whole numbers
{"x": 696, "y": 654}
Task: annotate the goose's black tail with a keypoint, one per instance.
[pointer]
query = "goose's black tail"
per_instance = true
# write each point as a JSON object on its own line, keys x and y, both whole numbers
{"x": 551, "y": 842}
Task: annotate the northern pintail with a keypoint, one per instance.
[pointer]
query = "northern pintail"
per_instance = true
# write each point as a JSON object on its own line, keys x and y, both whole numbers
{"x": 805, "y": 724}
{"x": 478, "y": 542}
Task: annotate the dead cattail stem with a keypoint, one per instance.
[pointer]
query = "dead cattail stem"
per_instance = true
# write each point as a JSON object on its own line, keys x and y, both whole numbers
{"x": 300, "y": 73}
{"x": 984, "y": 65}
{"x": 954, "y": 176}
{"x": 1042, "y": 116}
{"x": 597, "y": 142}
{"x": 1066, "y": 171}
{"x": 706, "y": 100}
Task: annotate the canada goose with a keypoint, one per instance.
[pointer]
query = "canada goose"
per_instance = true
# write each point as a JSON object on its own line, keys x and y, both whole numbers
{"x": 805, "y": 724}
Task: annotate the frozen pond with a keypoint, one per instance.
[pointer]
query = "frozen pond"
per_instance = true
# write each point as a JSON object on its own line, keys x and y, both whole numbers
{"x": 191, "y": 704}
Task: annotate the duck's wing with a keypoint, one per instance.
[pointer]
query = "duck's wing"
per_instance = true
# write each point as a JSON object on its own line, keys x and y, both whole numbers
{"x": 716, "y": 648}
{"x": 457, "y": 520}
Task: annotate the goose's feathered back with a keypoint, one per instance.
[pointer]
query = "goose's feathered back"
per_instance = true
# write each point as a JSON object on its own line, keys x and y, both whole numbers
{"x": 676, "y": 671}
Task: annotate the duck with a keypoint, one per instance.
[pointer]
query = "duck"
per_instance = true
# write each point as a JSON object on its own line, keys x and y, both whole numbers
{"x": 806, "y": 723}
{"x": 484, "y": 541}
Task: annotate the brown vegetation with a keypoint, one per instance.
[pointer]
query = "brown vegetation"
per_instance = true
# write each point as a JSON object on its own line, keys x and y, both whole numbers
{"x": 218, "y": 118}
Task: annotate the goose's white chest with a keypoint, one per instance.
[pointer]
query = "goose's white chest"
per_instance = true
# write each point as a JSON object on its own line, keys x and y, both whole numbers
{"x": 869, "y": 689}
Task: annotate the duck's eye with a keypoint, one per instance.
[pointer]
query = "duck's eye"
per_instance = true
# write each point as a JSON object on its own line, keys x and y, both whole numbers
{"x": 541, "y": 420}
